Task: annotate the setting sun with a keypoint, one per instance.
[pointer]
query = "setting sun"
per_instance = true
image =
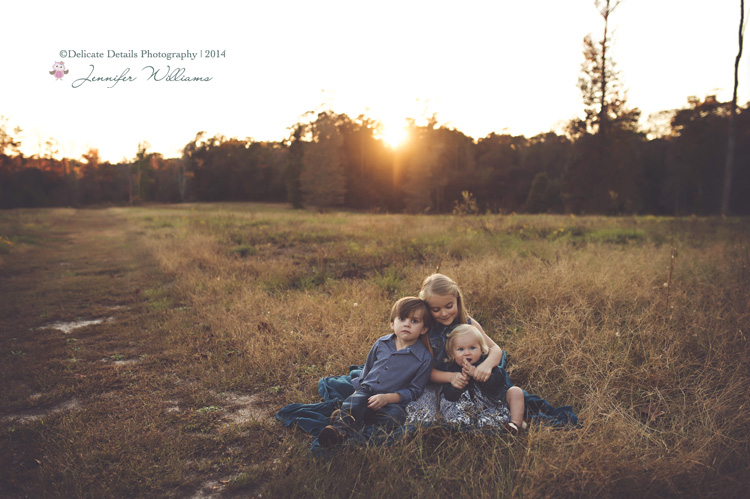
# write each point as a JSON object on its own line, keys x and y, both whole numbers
{"x": 394, "y": 135}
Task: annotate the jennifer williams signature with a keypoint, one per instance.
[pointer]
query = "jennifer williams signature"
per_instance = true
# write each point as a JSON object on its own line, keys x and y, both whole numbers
{"x": 154, "y": 74}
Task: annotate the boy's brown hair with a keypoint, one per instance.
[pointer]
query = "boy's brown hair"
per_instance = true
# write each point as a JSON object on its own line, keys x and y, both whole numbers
{"x": 405, "y": 307}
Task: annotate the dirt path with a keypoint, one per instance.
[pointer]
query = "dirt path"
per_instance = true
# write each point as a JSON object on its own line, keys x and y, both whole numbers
{"x": 74, "y": 272}
{"x": 90, "y": 403}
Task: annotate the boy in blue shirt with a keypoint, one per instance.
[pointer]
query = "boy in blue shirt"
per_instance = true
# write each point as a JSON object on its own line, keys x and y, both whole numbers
{"x": 395, "y": 373}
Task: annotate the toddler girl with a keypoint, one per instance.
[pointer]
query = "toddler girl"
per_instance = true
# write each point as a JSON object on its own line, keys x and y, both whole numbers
{"x": 478, "y": 403}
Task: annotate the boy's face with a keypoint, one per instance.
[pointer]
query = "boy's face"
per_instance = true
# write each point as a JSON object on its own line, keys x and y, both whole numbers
{"x": 444, "y": 309}
{"x": 466, "y": 347}
{"x": 409, "y": 329}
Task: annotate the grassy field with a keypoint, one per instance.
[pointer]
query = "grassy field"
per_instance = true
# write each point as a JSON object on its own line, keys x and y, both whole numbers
{"x": 196, "y": 323}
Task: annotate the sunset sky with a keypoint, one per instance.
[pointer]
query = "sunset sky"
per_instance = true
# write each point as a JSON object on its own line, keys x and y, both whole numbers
{"x": 480, "y": 66}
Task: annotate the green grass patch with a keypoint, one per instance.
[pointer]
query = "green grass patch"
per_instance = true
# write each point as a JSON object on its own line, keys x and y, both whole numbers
{"x": 616, "y": 235}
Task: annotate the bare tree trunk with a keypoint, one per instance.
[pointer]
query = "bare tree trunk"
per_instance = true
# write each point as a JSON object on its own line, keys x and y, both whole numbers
{"x": 729, "y": 165}
{"x": 182, "y": 180}
{"x": 603, "y": 109}
{"x": 604, "y": 10}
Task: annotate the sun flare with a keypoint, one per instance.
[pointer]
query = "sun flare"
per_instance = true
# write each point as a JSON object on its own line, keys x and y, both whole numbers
{"x": 394, "y": 135}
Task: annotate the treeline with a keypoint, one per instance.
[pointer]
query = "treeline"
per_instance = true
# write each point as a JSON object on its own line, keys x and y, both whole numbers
{"x": 332, "y": 160}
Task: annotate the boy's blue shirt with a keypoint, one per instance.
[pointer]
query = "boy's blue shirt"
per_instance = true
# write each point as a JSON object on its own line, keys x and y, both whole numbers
{"x": 388, "y": 370}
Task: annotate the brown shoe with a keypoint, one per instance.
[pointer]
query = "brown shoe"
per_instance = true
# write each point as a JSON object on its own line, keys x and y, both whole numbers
{"x": 330, "y": 436}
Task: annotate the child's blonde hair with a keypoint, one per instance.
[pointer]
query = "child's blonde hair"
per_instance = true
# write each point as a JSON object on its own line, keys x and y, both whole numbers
{"x": 464, "y": 330}
{"x": 441, "y": 285}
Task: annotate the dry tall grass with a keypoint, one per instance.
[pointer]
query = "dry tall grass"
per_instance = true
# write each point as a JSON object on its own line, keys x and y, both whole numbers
{"x": 580, "y": 304}
{"x": 259, "y": 299}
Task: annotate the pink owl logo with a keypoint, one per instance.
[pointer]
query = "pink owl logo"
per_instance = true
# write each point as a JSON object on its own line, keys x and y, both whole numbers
{"x": 58, "y": 70}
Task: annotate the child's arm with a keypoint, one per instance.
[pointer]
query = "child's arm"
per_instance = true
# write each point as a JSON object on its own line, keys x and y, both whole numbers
{"x": 442, "y": 377}
{"x": 366, "y": 369}
{"x": 415, "y": 386}
{"x": 494, "y": 356}
{"x": 494, "y": 384}
{"x": 382, "y": 399}
{"x": 454, "y": 390}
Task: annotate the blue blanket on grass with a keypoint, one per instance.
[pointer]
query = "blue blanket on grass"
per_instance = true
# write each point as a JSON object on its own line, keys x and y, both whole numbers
{"x": 312, "y": 418}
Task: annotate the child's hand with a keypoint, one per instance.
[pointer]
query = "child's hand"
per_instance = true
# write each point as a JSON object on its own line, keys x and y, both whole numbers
{"x": 482, "y": 372}
{"x": 468, "y": 369}
{"x": 460, "y": 380}
{"x": 377, "y": 401}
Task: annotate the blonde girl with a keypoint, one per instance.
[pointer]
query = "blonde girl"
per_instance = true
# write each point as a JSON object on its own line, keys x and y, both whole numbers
{"x": 446, "y": 303}
{"x": 478, "y": 403}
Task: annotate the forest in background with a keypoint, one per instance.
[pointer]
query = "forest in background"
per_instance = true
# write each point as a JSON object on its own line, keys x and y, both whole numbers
{"x": 332, "y": 160}
{"x": 694, "y": 160}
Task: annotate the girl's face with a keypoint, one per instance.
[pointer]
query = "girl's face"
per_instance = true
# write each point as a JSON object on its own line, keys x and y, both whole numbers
{"x": 465, "y": 347}
{"x": 444, "y": 309}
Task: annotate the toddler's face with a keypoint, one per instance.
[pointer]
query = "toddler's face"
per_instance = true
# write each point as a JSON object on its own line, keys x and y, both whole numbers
{"x": 444, "y": 309}
{"x": 466, "y": 347}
